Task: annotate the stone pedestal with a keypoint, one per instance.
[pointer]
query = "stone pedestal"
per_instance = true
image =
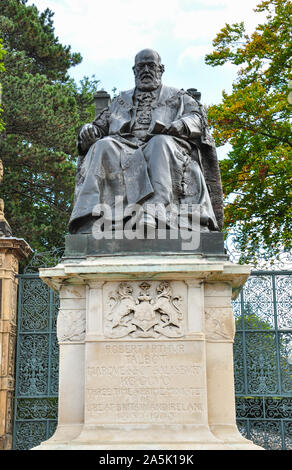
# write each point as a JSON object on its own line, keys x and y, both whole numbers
{"x": 12, "y": 250}
{"x": 146, "y": 359}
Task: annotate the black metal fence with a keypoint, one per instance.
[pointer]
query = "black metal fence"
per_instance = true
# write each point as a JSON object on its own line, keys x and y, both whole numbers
{"x": 263, "y": 358}
{"x": 37, "y": 363}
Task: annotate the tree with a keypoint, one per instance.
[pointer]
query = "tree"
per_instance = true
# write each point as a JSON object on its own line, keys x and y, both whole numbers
{"x": 1, "y": 70}
{"x": 43, "y": 111}
{"x": 255, "y": 118}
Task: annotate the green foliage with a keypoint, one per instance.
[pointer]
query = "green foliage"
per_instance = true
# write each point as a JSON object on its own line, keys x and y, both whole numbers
{"x": 23, "y": 28}
{"x": 2, "y": 52}
{"x": 255, "y": 118}
{"x": 261, "y": 342}
{"x": 43, "y": 111}
{"x": 250, "y": 320}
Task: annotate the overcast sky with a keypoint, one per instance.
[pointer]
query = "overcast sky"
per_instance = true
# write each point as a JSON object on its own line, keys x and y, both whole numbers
{"x": 108, "y": 34}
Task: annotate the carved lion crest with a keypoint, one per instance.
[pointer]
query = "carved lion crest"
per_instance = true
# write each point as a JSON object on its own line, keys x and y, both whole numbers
{"x": 144, "y": 314}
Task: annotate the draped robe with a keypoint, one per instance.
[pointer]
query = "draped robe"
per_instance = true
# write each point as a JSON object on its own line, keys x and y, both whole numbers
{"x": 134, "y": 159}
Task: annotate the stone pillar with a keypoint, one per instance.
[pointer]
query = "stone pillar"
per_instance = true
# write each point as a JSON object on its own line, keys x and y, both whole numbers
{"x": 220, "y": 331}
{"x": 146, "y": 356}
{"x": 102, "y": 100}
{"x": 12, "y": 250}
{"x": 71, "y": 324}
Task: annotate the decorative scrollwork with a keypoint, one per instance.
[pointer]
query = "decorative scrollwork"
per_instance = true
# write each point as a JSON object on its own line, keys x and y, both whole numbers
{"x": 37, "y": 408}
{"x": 266, "y": 433}
{"x": 262, "y": 260}
{"x": 34, "y": 302}
{"x": 54, "y": 366}
{"x": 263, "y": 358}
{"x": 71, "y": 325}
{"x": 219, "y": 324}
{"x": 239, "y": 364}
{"x": 283, "y": 297}
{"x": 29, "y": 434}
{"x": 43, "y": 259}
{"x": 33, "y": 365}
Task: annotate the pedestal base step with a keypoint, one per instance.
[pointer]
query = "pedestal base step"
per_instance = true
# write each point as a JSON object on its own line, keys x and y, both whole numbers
{"x": 182, "y": 438}
{"x": 165, "y": 446}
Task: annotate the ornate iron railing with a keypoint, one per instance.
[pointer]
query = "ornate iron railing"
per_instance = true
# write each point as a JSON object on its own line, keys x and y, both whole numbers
{"x": 37, "y": 363}
{"x": 262, "y": 358}
{"x": 261, "y": 260}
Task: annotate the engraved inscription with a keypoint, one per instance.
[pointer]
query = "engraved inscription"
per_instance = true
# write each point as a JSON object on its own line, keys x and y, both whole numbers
{"x": 146, "y": 383}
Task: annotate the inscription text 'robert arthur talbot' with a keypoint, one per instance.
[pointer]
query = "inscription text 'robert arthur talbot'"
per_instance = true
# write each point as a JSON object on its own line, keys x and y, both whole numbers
{"x": 145, "y": 383}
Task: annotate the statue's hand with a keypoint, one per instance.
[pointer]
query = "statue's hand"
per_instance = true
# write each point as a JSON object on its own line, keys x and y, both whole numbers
{"x": 176, "y": 128}
{"x": 88, "y": 134}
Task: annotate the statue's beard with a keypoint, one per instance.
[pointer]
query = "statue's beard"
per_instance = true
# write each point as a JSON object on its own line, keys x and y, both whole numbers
{"x": 148, "y": 84}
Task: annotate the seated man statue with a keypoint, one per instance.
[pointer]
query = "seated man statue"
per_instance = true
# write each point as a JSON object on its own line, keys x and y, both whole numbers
{"x": 146, "y": 148}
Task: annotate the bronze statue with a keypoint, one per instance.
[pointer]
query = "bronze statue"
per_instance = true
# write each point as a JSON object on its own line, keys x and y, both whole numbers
{"x": 151, "y": 146}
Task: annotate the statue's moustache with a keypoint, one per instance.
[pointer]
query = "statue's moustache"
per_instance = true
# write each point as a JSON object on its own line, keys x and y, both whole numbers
{"x": 147, "y": 73}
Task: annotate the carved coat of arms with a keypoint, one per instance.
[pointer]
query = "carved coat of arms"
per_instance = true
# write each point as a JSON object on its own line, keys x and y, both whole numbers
{"x": 144, "y": 314}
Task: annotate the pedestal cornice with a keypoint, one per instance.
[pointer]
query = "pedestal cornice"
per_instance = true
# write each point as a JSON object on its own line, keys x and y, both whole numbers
{"x": 167, "y": 267}
{"x": 19, "y": 246}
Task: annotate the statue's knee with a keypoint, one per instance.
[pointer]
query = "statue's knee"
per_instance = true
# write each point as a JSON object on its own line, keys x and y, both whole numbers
{"x": 156, "y": 143}
{"x": 107, "y": 152}
{"x": 160, "y": 139}
{"x": 105, "y": 148}
{"x": 104, "y": 143}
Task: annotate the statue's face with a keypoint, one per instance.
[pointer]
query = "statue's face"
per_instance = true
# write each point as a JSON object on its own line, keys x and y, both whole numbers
{"x": 147, "y": 70}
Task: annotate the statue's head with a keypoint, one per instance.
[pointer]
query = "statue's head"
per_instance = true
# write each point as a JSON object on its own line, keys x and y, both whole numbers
{"x": 148, "y": 70}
